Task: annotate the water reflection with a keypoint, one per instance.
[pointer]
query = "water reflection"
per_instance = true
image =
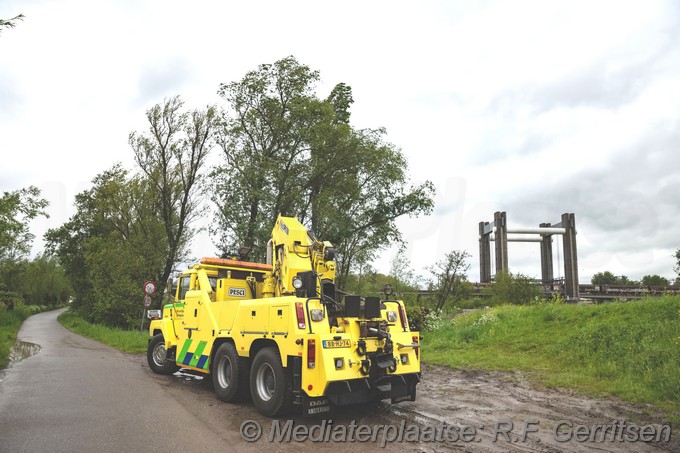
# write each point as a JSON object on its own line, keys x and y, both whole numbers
{"x": 22, "y": 350}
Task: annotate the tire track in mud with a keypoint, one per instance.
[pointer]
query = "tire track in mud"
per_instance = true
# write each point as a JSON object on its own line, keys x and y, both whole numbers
{"x": 451, "y": 397}
{"x": 477, "y": 398}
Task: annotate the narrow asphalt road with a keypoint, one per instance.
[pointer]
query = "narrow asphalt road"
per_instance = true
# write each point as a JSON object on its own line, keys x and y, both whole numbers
{"x": 77, "y": 395}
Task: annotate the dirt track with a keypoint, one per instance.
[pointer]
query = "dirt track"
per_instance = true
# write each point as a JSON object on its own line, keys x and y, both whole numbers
{"x": 456, "y": 398}
{"x": 484, "y": 398}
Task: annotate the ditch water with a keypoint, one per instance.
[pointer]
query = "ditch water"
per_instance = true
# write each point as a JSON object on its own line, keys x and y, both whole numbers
{"x": 20, "y": 351}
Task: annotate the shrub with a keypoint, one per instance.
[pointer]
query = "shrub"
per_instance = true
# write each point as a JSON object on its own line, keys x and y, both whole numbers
{"x": 424, "y": 319}
{"x": 515, "y": 289}
{"x": 10, "y": 299}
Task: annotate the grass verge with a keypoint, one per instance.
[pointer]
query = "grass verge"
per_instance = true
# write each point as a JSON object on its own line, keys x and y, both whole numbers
{"x": 10, "y": 322}
{"x": 123, "y": 340}
{"x": 627, "y": 349}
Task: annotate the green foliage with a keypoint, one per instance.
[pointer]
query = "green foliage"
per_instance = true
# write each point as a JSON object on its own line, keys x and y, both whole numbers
{"x": 171, "y": 155}
{"x": 424, "y": 319}
{"x": 474, "y": 302}
{"x": 626, "y": 349}
{"x": 450, "y": 278}
{"x": 655, "y": 280}
{"x": 608, "y": 278}
{"x": 368, "y": 282}
{"x": 288, "y": 151}
{"x": 516, "y": 289}
{"x": 17, "y": 209}
{"x": 402, "y": 277}
{"x": 112, "y": 245}
{"x": 264, "y": 136}
{"x": 38, "y": 282}
{"x": 9, "y": 300}
{"x": 124, "y": 340}
{"x": 10, "y": 321}
{"x": 604, "y": 278}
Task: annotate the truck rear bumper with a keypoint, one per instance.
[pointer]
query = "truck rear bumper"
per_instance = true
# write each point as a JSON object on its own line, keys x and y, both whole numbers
{"x": 396, "y": 387}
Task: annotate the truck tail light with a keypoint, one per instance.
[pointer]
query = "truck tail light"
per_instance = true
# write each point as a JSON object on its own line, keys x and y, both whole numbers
{"x": 415, "y": 340}
{"x": 402, "y": 315}
{"x": 299, "y": 311}
{"x": 311, "y": 353}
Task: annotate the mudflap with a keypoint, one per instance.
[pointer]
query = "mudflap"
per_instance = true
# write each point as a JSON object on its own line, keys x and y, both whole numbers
{"x": 315, "y": 405}
{"x": 398, "y": 387}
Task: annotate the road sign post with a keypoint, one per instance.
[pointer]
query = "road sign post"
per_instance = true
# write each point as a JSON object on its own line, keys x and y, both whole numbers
{"x": 149, "y": 289}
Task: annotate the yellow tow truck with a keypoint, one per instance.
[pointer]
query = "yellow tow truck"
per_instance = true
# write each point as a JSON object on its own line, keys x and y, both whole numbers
{"x": 278, "y": 333}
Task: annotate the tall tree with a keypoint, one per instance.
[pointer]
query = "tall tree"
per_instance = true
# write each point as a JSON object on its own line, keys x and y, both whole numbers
{"x": 516, "y": 289}
{"x": 40, "y": 281}
{"x": 287, "y": 151}
{"x": 264, "y": 139}
{"x": 402, "y": 277}
{"x": 654, "y": 280}
{"x": 608, "y": 278}
{"x": 450, "y": 277}
{"x": 17, "y": 209}
{"x": 114, "y": 241}
{"x": 358, "y": 207}
{"x": 604, "y": 278}
{"x": 171, "y": 154}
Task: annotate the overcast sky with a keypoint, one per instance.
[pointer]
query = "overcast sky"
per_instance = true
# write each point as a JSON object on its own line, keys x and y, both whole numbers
{"x": 534, "y": 108}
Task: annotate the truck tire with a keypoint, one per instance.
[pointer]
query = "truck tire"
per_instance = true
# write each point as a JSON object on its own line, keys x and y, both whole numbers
{"x": 157, "y": 356}
{"x": 230, "y": 374}
{"x": 271, "y": 385}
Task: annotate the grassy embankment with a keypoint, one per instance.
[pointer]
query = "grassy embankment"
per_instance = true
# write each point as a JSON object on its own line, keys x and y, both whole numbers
{"x": 626, "y": 349}
{"x": 124, "y": 340}
{"x": 10, "y": 321}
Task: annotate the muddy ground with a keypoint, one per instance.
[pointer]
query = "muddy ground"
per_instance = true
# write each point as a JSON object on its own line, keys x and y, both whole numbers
{"x": 477, "y": 402}
{"x": 487, "y": 398}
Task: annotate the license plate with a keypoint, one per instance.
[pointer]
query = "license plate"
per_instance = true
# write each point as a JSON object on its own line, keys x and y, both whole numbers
{"x": 336, "y": 344}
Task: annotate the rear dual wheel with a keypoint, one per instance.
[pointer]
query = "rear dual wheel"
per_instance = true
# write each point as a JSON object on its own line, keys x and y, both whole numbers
{"x": 271, "y": 385}
{"x": 230, "y": 374}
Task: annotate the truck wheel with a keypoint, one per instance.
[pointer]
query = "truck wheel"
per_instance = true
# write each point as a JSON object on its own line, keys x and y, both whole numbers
{"x": 270, "y": 384}
{"x": 230, "y": 374}
{"x": 157, "y": 356}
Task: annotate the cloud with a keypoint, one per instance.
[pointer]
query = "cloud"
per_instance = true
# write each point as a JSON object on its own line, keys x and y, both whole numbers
{"x": 162, "y": 79}
{"x": 625, "y": 207}
{"x": 9, "y": 98}
{"x": 609, "y": 78}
